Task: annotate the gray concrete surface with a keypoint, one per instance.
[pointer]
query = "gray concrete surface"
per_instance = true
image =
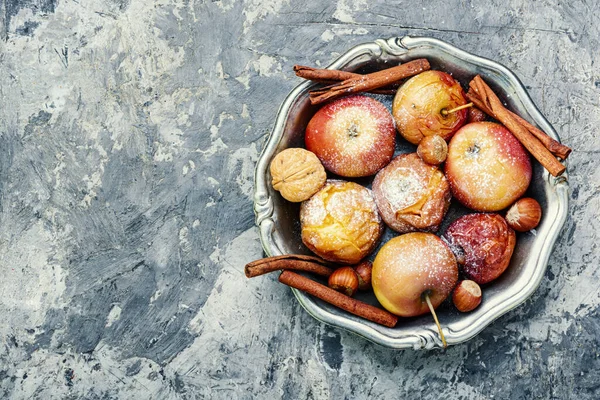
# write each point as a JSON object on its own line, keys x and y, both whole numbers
{"x": 129, "y": 130}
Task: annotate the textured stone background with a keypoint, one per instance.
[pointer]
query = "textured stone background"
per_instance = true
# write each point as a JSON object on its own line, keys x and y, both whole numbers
{"x": 129, "y": 130}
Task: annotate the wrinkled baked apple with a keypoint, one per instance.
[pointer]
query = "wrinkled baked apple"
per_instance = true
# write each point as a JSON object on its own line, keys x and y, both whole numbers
{"x": 340, "y": 223}
{"x": 411, "y": 195}
{"x": 483, "y": 244}
{"x": 421, "y": 104}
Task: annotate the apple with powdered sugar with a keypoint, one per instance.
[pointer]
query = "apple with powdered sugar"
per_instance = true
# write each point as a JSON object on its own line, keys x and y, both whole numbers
{"x": 411, "y": 195}
{"x": 340, "y": 222}
{"x": 487, "y": 167}
{"x": 353, "y": 136}
{"x": 423, "y": 106}
{"x": 411, "y": 270}
{"x": 483, "y": 244}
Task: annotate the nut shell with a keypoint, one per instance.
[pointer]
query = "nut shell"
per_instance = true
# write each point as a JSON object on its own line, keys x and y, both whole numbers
{"x": 364, "y": 271}
{"x": 297, "y": 174}
{"x": 344, "y": 280}
{"x": 524, "y": 215}
{"x": 433, "y": 149}
{"x": 474, "y": 114}
{"x": 340, "y": 222}
{"x": 411, "y": 195}
{"x": 466, "y": 296}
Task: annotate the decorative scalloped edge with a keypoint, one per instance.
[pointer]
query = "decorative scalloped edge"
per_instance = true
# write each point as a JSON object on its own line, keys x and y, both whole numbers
{"x": 425, "y": 338}
{"x": 392, "y": 46}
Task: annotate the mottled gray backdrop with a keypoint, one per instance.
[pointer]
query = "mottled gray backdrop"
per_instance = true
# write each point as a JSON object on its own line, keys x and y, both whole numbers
{"x": 129, "y": 131}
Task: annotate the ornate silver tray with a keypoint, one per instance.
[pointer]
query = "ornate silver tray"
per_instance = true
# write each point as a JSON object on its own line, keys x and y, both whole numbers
{"x": 279, "y": 224}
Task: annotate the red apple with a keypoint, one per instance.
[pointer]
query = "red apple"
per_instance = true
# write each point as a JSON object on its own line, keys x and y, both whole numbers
{"x": 487, "y": 167}
{"x": 483, "y": 243}
{"x": 353, "y": 136}
{"x": 411, "y": 267}
{"x": 421, "y": 106}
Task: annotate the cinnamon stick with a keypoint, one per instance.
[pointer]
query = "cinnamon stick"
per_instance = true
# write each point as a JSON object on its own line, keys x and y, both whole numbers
{"x": 302, "y": 257}
{"x": 293, "y": 262}
{"x": 334, "y": 76}
{"x": 530, "y": 142}
{"x": 555, "y": 147}
{"x": 340, "y": 300}
{"x": 323, "y": 75}
{"x": 371, "y": 81}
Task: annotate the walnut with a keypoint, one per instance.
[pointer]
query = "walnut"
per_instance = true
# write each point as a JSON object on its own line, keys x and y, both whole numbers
{"x": 297, "y": 174}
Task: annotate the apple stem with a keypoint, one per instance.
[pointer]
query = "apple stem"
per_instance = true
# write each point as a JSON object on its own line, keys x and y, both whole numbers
{"x": 436, "y": 320}
{"x": 446, "y": 112}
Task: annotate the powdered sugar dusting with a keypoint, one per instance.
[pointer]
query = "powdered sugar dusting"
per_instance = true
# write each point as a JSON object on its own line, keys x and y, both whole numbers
{"x": 411, "y": 195}
{"x": 354, "y": 121}
{"x": 410, "y": 265}
{"x": 337, "y": 199}
{"x": 341, "y": 222}
{"x": 487, "y": 173}
{"x": 486, "y": 242}
{"x": 353, "y": 136}
{"x": 403, "y": 188}
{"x": 418, "y": 104}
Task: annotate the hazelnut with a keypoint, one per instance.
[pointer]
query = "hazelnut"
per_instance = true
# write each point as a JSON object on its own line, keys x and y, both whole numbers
{"x": 433, "y": 149}
{"x": 363, "y": 272}
{"x": 466, "y": 296}
{"x": 297, "y": 174}
{"x": 475, "y": 115}
{"x": 524, "y": 215}
{"x": 344, "y": 280}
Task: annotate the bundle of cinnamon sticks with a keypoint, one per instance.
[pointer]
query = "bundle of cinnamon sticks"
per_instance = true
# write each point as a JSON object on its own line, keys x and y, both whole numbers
{"x": 349, "y": 82}
{"x": 541, "y": 146}
{"x": 317, "y": 266}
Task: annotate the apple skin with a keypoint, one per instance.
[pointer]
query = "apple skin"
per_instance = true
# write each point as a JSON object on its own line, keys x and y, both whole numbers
{"x": 487, "y": 167}
{"x": 418, "y": 104}
{"x": 484, "y": 244}
{"x": 353, "y": 136}
{"x": 410, "y": 265}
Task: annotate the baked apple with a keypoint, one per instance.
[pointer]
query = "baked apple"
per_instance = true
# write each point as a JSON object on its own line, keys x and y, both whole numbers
{"x": 411, "y": 267}
{"x": 353, "y": 136}
{"x": 487, "y": 167}
{"x": 483, "y": 244}
{"x": 340, "y": 222}
{"x": 411, "y": 195}
{"x": 421, "y": 106}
